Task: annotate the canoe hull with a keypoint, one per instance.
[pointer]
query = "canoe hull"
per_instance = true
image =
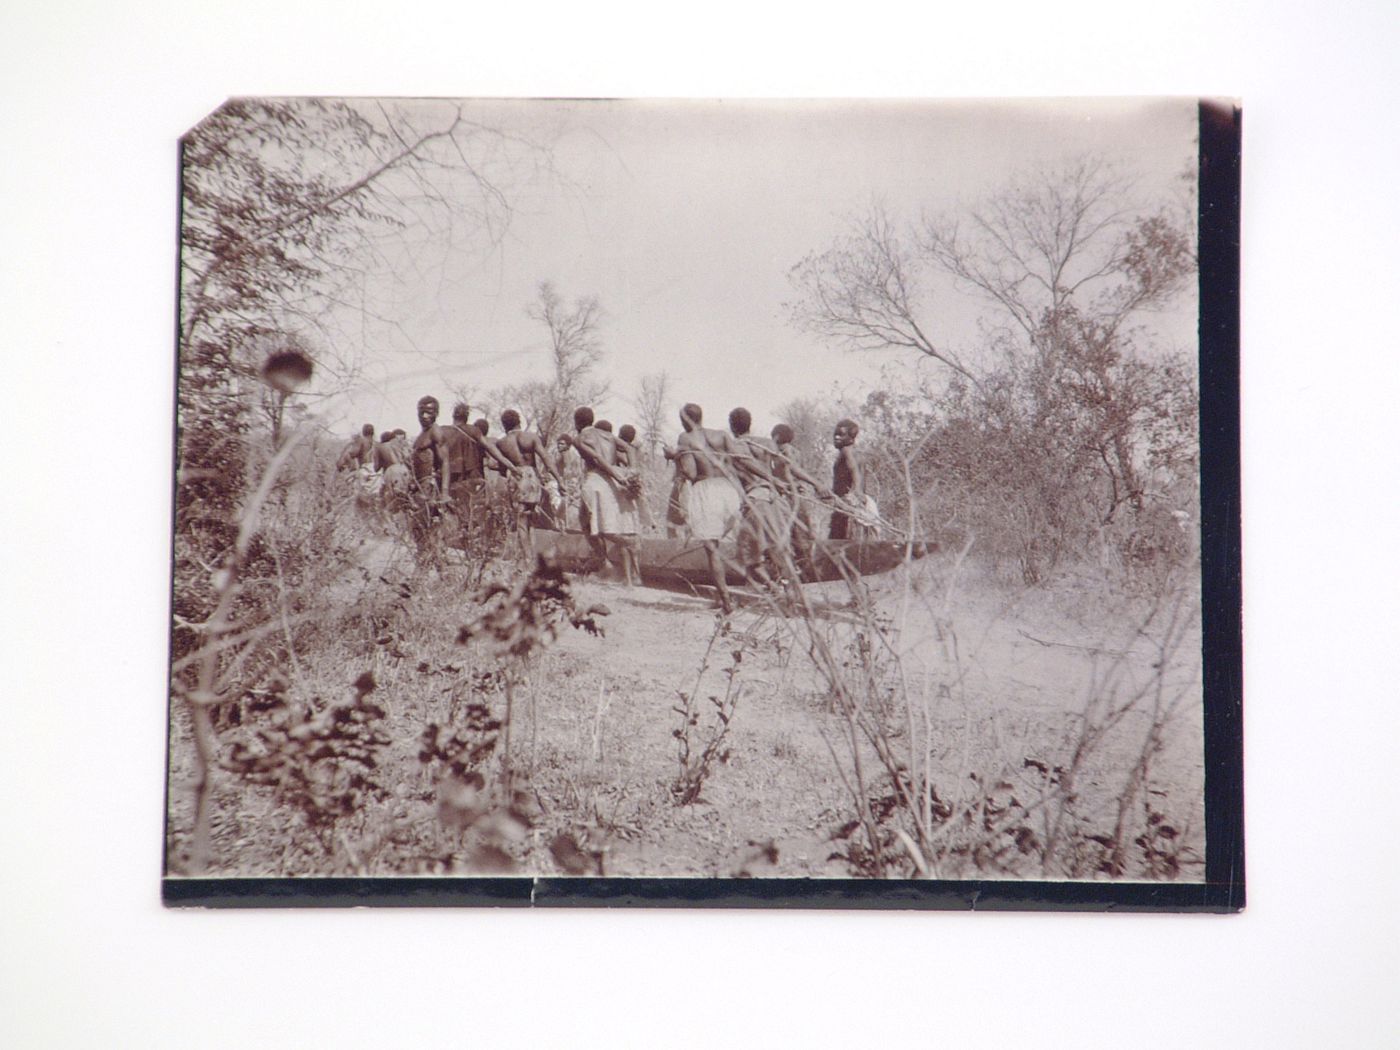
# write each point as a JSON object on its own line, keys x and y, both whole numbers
{"x": 675, "y": 561}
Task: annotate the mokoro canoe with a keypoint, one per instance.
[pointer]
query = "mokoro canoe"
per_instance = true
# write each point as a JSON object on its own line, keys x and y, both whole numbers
{"x": 683, "y": 560}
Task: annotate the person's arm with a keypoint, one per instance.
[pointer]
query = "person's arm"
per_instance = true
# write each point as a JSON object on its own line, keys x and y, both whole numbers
{"x": 491, "y": 450}
{"x": 555, "y": 468}
{"x": 541, "y": 452}
{"x": 350, "y": 452}
{"x": 801, "y": 475}
{"x": 591, "y": 455}
{"x": 742, "y": 455}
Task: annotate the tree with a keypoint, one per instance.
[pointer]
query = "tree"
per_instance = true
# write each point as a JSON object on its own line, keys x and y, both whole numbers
{"x": 1069, "y": 260}
{"x": 864, "y": 292}
{"x": 1065, "y": 238}
{"x": 653, "y": 405}
{"x": 1060, "y": 412}
{"x": 286, "y": 206}
{"x": 575, "y": 353}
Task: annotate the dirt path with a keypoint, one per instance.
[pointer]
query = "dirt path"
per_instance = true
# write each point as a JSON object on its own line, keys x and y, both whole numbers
{"x": 772, "y": 805}
{"x": 768, "y": 803}
{"x": 1004, "y": 675}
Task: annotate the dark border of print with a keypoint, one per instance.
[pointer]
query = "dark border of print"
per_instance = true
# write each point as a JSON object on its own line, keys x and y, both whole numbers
{"x": 1223, "y": 889}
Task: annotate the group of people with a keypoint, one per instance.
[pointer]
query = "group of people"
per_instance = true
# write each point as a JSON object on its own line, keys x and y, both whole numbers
{"x": 458, "y": 472}
{"x": 731, "y": 482}
{"x": 726, "y": 483}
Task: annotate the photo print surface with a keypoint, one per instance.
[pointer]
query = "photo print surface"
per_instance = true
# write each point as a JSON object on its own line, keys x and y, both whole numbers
{"x": 735, "y": 502}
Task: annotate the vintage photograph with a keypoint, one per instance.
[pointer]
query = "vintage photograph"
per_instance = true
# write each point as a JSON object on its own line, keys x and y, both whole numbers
{"x": 708, "y": 490}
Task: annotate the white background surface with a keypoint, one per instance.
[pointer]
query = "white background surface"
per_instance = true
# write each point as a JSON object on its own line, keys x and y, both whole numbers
{"x": 92, "y": 99}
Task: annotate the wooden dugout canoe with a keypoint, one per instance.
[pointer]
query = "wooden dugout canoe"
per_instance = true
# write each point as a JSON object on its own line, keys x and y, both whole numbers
{"x": 683, "y": 560}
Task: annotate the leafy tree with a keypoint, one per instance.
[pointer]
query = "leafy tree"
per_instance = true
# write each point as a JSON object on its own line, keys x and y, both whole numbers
{"x": 286, "y": 206}
{"x": 1053, "y": 425}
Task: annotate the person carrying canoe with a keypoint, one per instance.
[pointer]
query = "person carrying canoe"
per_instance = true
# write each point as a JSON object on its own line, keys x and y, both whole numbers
{"x": 801, "y": 489}
{"x": 432, "y": 474}
{"x": 764, "y": 528}
{"x": 358, "y": 450}
{"x": 468, "y": 449}
{"x": 708, "y": 459}
{"x": 389, "y": 463}
{"x": 628, "y": 518}
{"x": 528, "y": 452}
{"x": 598, "y": 495}
{"x": 631, "y": 453}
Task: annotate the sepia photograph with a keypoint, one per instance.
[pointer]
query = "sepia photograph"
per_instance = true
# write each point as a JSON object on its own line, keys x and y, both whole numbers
{"x": 985, "y": 401}
{"x": 739, "y": 502}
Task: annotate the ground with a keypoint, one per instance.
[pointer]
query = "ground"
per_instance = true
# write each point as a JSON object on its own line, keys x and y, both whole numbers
{"x": 995, "y": 692}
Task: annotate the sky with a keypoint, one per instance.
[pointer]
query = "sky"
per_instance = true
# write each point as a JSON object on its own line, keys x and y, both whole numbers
{"x": 685, "y": 220}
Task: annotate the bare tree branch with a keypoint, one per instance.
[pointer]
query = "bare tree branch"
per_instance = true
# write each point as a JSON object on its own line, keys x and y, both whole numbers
{"x": 862, "y": 292}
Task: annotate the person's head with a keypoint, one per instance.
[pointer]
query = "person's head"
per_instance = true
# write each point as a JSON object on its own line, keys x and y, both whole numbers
{"x": 400, "y": 433}
{"x": 427, "y": 411}
{"x": 461, "y": 412}
{"x": 561, "y": 443}
{"x": 845, "y": 433}
{"x": 691, "y": 416}
{"x": 510, "y": 419}
{"x": 386, "y": 437}
{"x": 367, "y": 430}
{"x": 583, "y": 417}
{"x": 783, "y": 435}
{"x": 604, "y": 424}
{"x": 482, "y": 426}
{"x": 628, "y": 433}
{"x": 739, "y": 422}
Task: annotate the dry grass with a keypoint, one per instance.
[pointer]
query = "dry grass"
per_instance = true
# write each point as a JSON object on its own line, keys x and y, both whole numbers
{"x": 932, "y": 721}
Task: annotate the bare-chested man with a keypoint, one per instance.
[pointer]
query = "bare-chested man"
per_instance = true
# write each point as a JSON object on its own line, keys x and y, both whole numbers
{"x": 468, "y": 450}
{"x": 631, "y": 454}
{"x": 483, "y": 428}
{"x": 432, "y": 473}
{"x": 387, "y": 452}
{"x": 800, "y": 488}
{"x": 763, "y": 527}
{"x": 528, "y": 452}
{"x": 709, "y": 459}
{"x": 358, "y": 451}
{"x": 394, "y": 476}
{"x": 598, "y": 495}
{"x": 847, "y": 482}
